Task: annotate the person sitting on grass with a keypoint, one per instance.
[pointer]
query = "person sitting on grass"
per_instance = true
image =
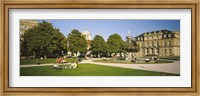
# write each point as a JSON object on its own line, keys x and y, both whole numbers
{"x": 55, "y": 66}
{"x": 58, "y": 60}
{"x": 61, "y": 60}
{"x": 73, "y": 64}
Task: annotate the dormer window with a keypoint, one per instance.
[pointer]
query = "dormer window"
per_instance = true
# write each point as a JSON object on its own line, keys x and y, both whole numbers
{"x": 169, "y": 35}
{"x": 164, "y": 36}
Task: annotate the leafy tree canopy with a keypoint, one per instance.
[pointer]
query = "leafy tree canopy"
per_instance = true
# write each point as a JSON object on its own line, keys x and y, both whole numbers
{"x": 98, "y": 45}
{"x": 77, "y": 42}
{"x": 115, "y": 43}
{"x": 44, "y": 39}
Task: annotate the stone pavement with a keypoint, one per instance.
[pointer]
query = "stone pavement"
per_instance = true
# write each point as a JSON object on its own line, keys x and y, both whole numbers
{"x": 164, "y": 67}
{"x": 33, "y": 65}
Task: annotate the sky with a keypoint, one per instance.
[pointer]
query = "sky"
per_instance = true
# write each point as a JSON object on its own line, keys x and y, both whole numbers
{"x": 108, "y": 27}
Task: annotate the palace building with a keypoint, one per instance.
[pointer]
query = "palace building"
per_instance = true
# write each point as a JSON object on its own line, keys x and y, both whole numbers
{"x": 160, "y": 43}
{"x": 88, "y": 37}
{"x": 27, "y": 24}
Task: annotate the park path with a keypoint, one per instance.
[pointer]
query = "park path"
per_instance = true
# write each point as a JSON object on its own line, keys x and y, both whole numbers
{"x": 33, "y": 65}
{"x": 164, "y": 67}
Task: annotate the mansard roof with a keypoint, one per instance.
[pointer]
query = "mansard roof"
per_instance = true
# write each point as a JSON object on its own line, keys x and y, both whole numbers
{"x": 165, "y": 31}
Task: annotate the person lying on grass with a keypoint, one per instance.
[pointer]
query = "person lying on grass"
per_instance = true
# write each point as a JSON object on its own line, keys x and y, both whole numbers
{"x": 72, "y": 65}
{"x": 57, "y": 67}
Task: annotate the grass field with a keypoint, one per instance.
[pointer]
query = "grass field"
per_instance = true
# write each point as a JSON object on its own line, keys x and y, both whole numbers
{"x": 129, "y": 62}
{"x": 43, "y": 61}
{"x": 87, "y": 70}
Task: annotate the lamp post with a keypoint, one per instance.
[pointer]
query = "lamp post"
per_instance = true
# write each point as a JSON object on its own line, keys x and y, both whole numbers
{"x": 62, "y": 53}
{"x": 68, "y": 49}
{"x": 129, "y": 43}
{"x": 67, "y": 44}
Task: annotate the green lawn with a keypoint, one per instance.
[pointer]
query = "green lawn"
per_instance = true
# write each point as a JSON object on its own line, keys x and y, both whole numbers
{"x": 87, "y": 70}
{"x": 129, "y": 62}
{"x": 43, "y": 61}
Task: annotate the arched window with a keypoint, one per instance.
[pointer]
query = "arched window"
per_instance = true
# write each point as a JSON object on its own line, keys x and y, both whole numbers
{"x": 170, "y": 43}
{"x": 165, "y": 51}
{"x": 170, "y": 51}
{"x": 164, "y": 36}
{"x": 157, "y": 43}
{"x": 157, "y": 50}
{"x": 147, "y": 44}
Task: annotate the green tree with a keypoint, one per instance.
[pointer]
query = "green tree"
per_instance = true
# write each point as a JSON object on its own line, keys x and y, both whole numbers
{"x": 23, "y": 47}
{"x": 98, "y": 45}
{"x": 77, "y": 42}
{"x": 43, "y": 40}
{"x": 115, "y": 43}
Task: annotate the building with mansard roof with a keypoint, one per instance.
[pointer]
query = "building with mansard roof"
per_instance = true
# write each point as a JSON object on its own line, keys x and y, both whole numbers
{"x": 88, "y": 37}
{"x": 27, "y": 24}
{"x": 160, "y": 43}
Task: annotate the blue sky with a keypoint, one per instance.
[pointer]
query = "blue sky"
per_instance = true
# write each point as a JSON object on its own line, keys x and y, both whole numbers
{"x": 107, "y": 27}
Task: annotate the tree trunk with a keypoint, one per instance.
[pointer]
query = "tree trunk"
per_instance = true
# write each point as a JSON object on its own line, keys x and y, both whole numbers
{"x": 99, "y": 55}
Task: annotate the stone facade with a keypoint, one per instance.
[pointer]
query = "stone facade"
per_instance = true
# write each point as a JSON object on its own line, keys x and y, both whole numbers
{"x": 88, "y": 37}
{"x": 160, "y": 43}
{"x": 27, "y": 24}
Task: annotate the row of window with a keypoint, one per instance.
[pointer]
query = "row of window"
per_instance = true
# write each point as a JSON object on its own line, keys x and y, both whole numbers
{"x": 24, "y": 27}
{"x": 167, "y": 35}
{"x": 156, "y": 37}
{"x": 165, "y": 51}
{"x": 151, "y": 51}
{"x": 157, "y": 43}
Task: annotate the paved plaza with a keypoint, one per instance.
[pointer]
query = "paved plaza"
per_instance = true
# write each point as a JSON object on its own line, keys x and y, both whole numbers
{"x": 164, "y": 67}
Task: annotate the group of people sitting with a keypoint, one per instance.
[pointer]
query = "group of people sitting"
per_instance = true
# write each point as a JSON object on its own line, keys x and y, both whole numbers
{"x": 68, "y": 66}
{"x": 61, "y": 60}
{"x": 153, "y": 58}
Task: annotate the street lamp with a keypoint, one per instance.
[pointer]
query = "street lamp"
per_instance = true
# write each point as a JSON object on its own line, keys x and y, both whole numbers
{"x": 67, "y": 44}
{"x": 68, "y": 49}
{"x": 62, "y": 53}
